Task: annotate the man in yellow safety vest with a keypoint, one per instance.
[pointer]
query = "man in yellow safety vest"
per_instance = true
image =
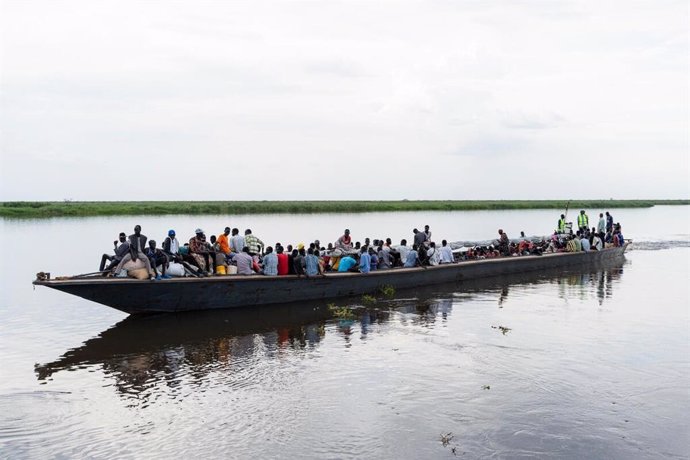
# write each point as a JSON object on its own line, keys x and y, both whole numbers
{"x": 561, "y": 224}
{"x": 582, "y": 221}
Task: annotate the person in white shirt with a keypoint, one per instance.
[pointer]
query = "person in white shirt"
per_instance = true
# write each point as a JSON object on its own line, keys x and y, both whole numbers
{"x": 445, "y": 253}
{"x": 432, "y": 254}
{"x": 237, "y": 242}
{"x": 597, "y": 245}
{"x": 585, "y": 244}
{"x": 403, "y": 250}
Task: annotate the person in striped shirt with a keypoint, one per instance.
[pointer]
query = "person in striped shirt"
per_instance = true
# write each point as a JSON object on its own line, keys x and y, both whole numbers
{"x": 253, "y": 243}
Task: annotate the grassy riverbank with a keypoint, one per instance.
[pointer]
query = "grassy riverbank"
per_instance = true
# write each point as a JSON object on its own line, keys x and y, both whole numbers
{"x": 120, "y": 208}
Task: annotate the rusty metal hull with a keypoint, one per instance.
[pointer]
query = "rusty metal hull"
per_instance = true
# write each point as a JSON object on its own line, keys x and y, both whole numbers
{"x": 188, "y": 294}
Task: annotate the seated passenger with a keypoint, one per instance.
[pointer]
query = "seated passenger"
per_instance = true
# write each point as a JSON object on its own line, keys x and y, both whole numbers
{"x": 618, "y": 238}
{"x": 311, "y": 264}
{"x": 385, "y": 259}
{"x": 597, "y": 244}
{"x": 282, "y": 261}
{"x": 345, "y": 241}
{"x": 364, "y": 261}
{"x": 244, "y": 262}
{"x": 446, "y": 254}
{"x": 584, "y": 242}
{"x": 374, "y": 260}
{"x": 157, "y": 257}
{"x": 270, "y": 263}
{"x": 346, "y": 263}
{"x": 137, "y": 244}
{"x": 578, "y": 242}
{"x": 412, "y": 258}
{"x": 298, "y": 262}
{"x": 403, "y": 250}
{"x": 334, "y": 261}
{"x": 433, "y": 255}
{"x": 218, "y": 255}
{"x": 171, "y": 246}
{"x": 571, "y": 246}
{"x": 199, "y": 251}
{"x": 120, "y": 250}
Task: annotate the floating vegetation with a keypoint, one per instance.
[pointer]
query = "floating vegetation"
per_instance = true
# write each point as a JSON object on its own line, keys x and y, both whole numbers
{"x": 368, "y": 299}
{"x": 341, "y": 312}
{"x": 446, "y": 439}
{"x": 504, "y": 330}
{"x": 387, "y": 291}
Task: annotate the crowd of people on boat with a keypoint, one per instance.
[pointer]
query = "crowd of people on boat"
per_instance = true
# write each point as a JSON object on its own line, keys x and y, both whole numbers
{"x": 231, "y": 252}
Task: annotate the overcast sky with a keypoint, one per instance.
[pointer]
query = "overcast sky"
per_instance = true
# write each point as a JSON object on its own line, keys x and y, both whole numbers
{"x": 211, "y": 100}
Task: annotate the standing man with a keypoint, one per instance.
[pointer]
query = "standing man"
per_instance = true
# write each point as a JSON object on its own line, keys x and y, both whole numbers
{"x": 561, "y": 224}
{"x": 582, "y": 221}
{"x": 503, "y": 243}
{"x": 419, "y": 237}
{"x": 224, "y": 242}
{"x": 237, "y": 241}
{"x": 254, "y": 244}
{"x": 609, "y": 222}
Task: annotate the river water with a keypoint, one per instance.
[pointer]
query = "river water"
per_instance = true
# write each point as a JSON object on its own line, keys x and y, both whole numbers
{"x": 571, "y": 364}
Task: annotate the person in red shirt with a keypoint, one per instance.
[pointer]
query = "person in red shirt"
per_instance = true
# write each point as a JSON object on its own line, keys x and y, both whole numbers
{"x": 282, "y": 261}
{"x": 345, "y": 241}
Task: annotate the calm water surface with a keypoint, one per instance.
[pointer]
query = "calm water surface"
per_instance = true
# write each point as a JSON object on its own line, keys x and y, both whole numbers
{"x": 594, "y": 364}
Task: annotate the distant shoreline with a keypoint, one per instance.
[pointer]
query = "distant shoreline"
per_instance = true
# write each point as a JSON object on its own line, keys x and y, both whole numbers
{"x": 46, "y": 209}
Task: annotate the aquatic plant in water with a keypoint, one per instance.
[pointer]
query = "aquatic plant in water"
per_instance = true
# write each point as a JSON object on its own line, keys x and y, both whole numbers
{"x": 387, "y": 291}
{"x": 340, "y": 312}
{"x": 368, "y": 299}
{"x": 504, "y": 330}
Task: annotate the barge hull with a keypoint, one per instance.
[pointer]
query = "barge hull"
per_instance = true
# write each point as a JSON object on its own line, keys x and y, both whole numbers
{"x": 188, "y": 294}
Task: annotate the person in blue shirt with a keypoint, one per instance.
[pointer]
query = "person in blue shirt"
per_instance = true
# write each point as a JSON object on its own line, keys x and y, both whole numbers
{"x": 346, "y": 263}
{"x": 374, "y": 259}
{"x": 412, "y": 258}
{"x": 270, "y": 263}
{"x": 311, "y": 264}
{"x": 364, "y": 261}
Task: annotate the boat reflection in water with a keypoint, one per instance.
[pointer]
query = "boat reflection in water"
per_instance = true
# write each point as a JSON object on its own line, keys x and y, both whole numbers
{"x": 144, "y": 352}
